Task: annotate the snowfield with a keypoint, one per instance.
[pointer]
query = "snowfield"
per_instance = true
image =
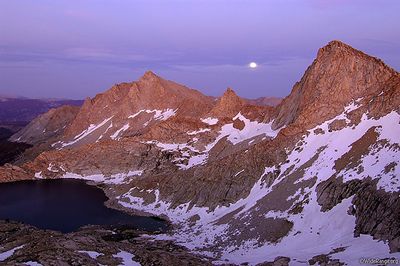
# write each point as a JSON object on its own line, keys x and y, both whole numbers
{"x": 235, "y": 136}
{"x": 314, "y": 232}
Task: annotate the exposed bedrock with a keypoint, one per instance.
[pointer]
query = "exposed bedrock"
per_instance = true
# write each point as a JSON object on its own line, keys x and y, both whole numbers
{"x": 377, "y": 212}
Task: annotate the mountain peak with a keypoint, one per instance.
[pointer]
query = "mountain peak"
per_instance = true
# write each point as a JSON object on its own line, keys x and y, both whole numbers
{"x": 229, "y": 92}
{"x": 336, "y": 50}
{"x": 335, "y": 78}
{"x": 337, "y": 44}
{"x": 230, "y": 98}
{"x": 229, "y": 104}
{"x": 149, "y": 76}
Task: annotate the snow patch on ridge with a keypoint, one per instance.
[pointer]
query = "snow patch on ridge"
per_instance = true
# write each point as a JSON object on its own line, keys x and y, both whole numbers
{"x": 102, "y": 135}
{"x": 127, "y": 258}
{"x": 119, "y": 131}
{"x": 84, "y": 133}
{"x": 32, "y": 263}
{"x": 116, "y": 179}
{"x": 196, "y": 157}
{"x": 158, "y": 114}
{"x": 6, "y": 254}
{"x": 202, "y": 130}
{"x": 251, "y": 129}
{"x": 209, "y": 121}
{"x": 92, "y": 254}
{"x": 39, "y": 175}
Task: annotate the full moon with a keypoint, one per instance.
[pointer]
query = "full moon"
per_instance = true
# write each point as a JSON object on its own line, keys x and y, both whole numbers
{"x": 253, "y": 65}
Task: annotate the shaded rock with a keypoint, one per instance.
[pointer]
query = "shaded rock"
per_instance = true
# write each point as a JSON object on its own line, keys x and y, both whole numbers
{"x": 279, "y": 261}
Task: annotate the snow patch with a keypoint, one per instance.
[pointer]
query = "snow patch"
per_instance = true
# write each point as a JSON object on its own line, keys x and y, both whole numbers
{"x": 86, "y": 132}
{"x": 159, "y": 114}
{"x": 92, "y": 254}
{"x": 202, "y": 130}
{"x": 6, "y": 254}
{"x": 250, "y": 130}
{"x": 51, "y": 168}
{"x": 127, "y": 258}
{"x": 102, "y": 135}
{"x": 116, "y": 179}
{"x": 235, "y": 136}
{"x": 119, "y": 131}
{"x": 238, "y": 173}
{"x": 32, "y": 263}
{"x": 39, "y": 175}
{"x": 209, "y": 121}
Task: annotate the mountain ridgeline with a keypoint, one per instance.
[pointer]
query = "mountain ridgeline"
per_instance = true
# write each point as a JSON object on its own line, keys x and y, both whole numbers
{"x": 314, "y": 177}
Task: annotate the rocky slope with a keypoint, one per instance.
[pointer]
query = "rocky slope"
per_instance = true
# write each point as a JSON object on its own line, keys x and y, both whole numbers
{"x": 47, "y": 126}
{"x": 314, "y": 179}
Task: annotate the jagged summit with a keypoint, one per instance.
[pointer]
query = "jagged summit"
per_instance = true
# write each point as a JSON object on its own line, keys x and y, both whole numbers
{"x": 334, "y": 46}
{"x": 336, "y": 51}
{"x": 145, "y": 97}
{"x": 340, "y": 74}
{"x": 230, "y": 99}
{"x": 228, "y": 105}
{"x": 149, "y": 76}
{"x": 230, "y": 96}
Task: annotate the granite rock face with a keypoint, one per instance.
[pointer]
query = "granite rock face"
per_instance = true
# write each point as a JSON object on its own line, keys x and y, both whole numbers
{"x": 340, "y": 74}
{"x": 377, "y": 213}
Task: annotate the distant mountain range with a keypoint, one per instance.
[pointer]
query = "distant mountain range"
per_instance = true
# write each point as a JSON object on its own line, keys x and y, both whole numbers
{"x": 21, "y": 109}
{"x": 15, "y": 113}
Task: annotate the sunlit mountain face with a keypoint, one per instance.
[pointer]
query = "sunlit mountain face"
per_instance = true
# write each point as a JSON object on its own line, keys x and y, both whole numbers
{"x": 232, "y": 179}
{"x": 199, "y": 133}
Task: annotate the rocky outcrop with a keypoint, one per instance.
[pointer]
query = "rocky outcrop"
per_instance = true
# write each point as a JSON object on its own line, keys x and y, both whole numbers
{"x": 228, "y": 105}
{"x": 377, "y": 213}
{"x": 91, "y": 245}
{"x": 279, "y": 261}
{"x": 11, "y": 173}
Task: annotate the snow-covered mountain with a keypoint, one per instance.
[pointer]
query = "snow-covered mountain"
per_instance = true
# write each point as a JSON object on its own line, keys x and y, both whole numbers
{"x": 314, "y": 179}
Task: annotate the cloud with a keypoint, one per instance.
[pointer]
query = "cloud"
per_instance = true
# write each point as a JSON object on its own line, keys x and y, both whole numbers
{"x": 99, "y": 54}
{"x": 83, "y": 55}
{"x": 239, "y": 67}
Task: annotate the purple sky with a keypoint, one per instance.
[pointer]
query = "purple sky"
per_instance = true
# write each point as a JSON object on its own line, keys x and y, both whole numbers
{"x": 74, "y": 49}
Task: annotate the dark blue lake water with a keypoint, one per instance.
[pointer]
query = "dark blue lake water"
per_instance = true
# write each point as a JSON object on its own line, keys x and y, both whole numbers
{"x": 65, "y": 205}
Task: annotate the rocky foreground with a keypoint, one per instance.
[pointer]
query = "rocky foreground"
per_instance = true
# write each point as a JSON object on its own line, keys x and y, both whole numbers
{"x": 96, "y": 245}
{"x": 91, "y": 245}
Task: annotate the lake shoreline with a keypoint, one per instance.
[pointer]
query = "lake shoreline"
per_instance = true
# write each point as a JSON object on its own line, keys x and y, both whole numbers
{"x": 108, "y": 202}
